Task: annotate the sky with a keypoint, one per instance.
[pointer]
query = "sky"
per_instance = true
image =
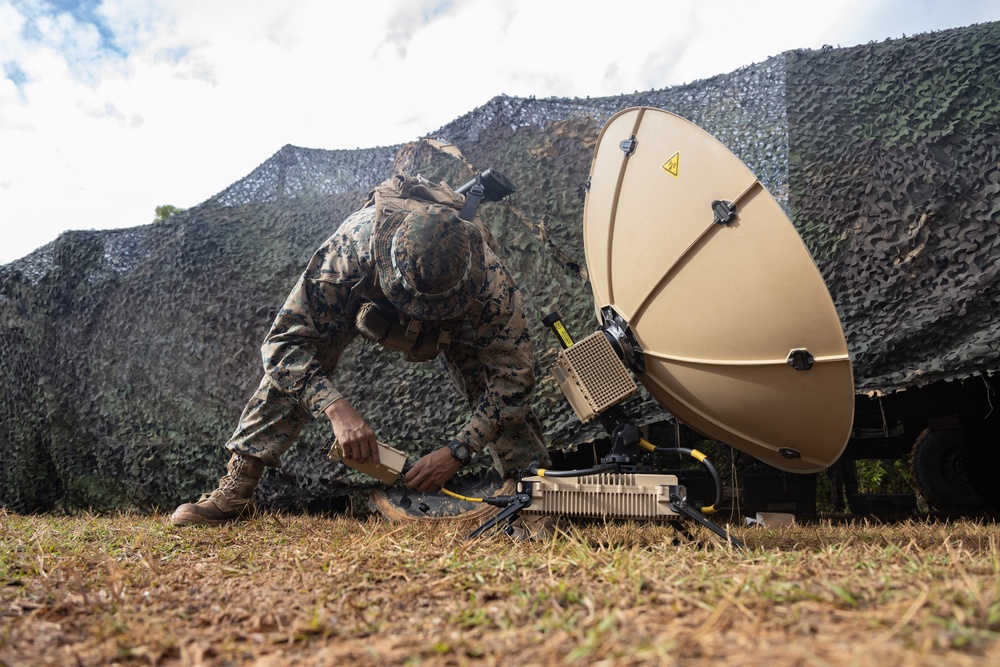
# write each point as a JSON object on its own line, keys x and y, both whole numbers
{"x": 110, "y": 108}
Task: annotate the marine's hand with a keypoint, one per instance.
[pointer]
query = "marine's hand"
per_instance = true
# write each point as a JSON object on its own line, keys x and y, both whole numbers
{"x": 356, "y": 437}
{"x": 430, "y": 472}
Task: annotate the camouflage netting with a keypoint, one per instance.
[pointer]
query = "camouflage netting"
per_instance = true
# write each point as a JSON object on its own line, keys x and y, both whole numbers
{"x": 127, "y": 355}
{"x": 895, "y": 176}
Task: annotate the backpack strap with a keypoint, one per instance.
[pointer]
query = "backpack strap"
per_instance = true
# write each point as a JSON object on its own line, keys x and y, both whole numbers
{"x": 472, "y": 202}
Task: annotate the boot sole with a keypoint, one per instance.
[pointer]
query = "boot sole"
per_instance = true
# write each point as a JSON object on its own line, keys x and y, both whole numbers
{"x": 183, "y": 517}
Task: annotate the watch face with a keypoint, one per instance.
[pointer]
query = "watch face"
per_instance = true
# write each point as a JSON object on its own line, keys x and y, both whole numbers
{"x": 461, "y": 452}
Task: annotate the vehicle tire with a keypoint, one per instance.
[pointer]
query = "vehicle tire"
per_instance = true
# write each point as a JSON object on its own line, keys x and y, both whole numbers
{"x": 981, "y": 452}
{"x": 938, "y": 469}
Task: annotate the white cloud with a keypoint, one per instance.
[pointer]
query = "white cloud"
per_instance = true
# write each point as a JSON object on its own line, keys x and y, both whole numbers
{"x": 129, "y": 104}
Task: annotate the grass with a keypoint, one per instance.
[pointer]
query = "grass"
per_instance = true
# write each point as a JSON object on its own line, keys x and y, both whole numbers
{"x": 310, "y": 590}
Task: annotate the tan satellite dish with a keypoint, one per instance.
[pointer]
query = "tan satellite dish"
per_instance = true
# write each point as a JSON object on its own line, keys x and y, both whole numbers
{"x": 736, "y": 333}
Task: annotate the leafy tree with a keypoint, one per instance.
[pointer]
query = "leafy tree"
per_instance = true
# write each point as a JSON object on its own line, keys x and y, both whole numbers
{"x": 165, "y": 211}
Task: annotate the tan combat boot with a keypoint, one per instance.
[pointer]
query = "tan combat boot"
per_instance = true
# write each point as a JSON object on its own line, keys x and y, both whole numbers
{"x": 229, "y": 501}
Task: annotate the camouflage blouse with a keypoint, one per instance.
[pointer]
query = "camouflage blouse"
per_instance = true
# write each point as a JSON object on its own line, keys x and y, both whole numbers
{"x": 492, "y": 350}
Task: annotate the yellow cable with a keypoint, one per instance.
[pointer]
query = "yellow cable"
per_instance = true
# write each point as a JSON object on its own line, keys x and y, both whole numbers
{"x": 650, "y": 447}
{"x": 460, "y": 497}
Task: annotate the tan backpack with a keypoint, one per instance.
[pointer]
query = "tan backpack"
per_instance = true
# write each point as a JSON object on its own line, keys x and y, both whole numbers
{"x": 400, "y": 195}
{"x": 404, "y": 193}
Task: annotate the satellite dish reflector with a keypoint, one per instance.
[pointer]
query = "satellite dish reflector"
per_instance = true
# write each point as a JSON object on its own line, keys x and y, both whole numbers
{"x": 737, "y": 333}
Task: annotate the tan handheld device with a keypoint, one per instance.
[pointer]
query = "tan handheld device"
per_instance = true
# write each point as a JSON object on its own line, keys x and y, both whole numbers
{"x": 390, "y": 464}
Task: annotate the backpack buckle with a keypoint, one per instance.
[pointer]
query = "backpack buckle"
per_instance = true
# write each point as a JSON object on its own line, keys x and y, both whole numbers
{"x": 444, "y": 339}
{"x": 413, "y": 329}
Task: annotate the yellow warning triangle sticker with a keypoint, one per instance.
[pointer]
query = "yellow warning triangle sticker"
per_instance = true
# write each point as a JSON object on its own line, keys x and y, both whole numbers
{"x": 673, "y": 165}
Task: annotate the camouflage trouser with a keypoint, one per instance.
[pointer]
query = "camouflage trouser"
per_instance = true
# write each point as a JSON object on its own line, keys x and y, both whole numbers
{"x": 273, "y": 420}
{"x": 270, "y": 424}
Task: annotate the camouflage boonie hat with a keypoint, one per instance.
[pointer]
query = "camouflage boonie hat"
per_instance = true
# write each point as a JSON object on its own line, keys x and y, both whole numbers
{"x": 430, "y": 263}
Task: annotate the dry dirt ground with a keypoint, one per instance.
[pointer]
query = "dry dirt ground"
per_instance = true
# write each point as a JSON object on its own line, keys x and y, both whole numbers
{"x": 311, "y": 590}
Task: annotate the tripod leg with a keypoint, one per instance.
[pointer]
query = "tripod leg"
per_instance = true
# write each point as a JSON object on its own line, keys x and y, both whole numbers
{"x": 686, "y": 510}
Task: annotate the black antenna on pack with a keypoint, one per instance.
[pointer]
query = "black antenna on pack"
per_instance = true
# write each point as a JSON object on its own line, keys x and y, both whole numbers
{"x": 490, "y": 185}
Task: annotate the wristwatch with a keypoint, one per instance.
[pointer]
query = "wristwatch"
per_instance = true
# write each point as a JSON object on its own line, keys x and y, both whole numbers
{"x": 461, "y": 451}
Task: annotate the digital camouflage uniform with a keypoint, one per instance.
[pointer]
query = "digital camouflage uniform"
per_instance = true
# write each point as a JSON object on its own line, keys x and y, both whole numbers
{"x": 489, "y": 358}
